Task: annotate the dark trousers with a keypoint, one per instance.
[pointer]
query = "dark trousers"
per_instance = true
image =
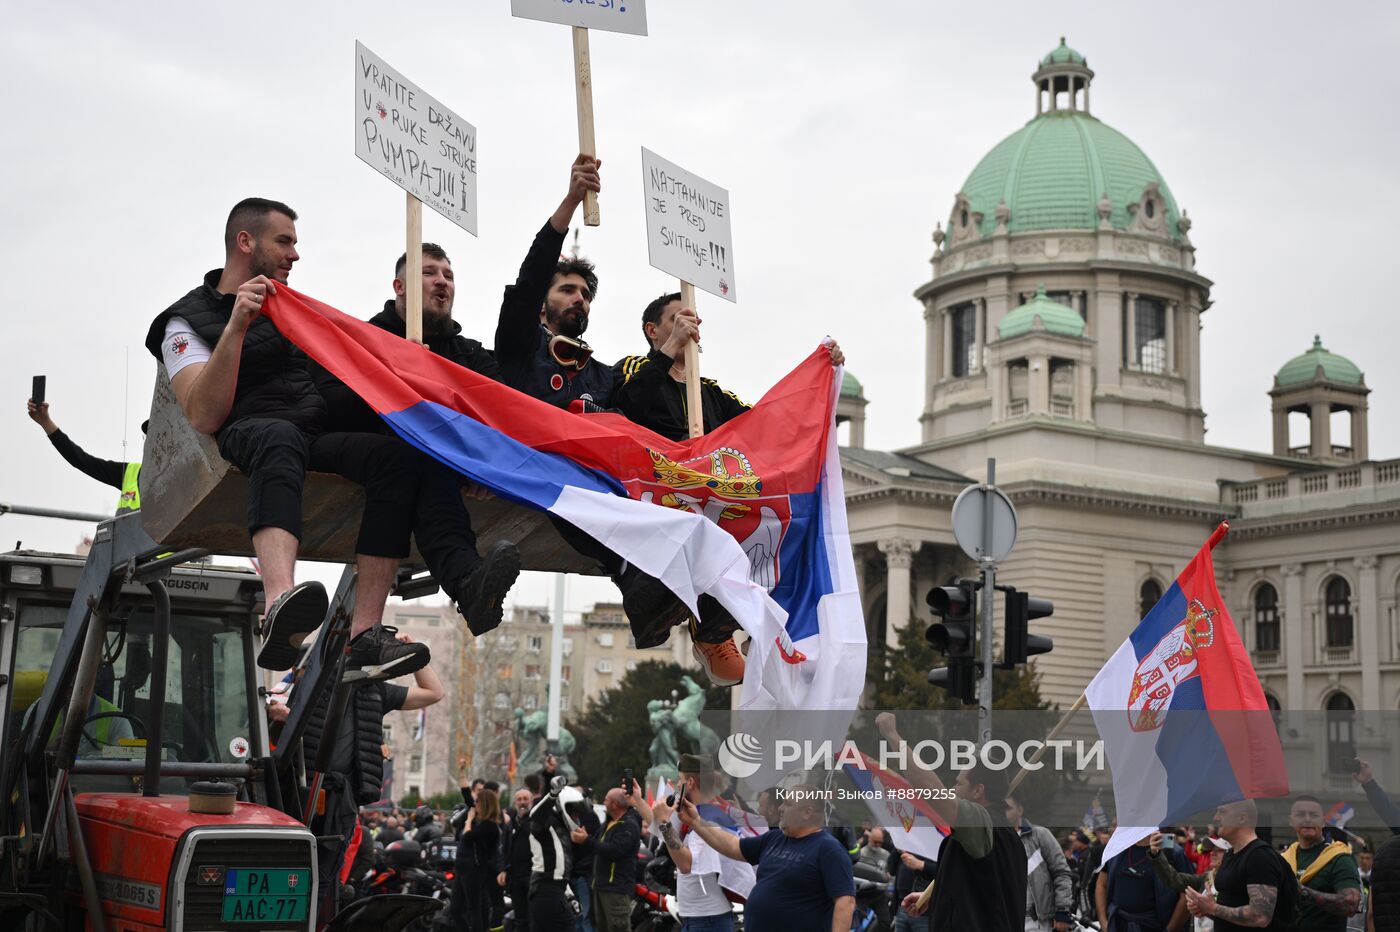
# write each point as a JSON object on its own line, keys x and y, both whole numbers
{"x": 549, "y": 908}
{"x": 475, "y": 914}
{"x": 520, "y": 903}
{"x": 406, "y": 492}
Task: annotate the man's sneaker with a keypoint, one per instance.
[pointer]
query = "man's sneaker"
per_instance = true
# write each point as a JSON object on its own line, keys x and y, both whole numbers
{"x": 651, "y": 608}
{"x": 481, "y": 595}
{"x": 722, "y": 662}
{"x": 383, "y": 657}
{"x": 290, "y": 620}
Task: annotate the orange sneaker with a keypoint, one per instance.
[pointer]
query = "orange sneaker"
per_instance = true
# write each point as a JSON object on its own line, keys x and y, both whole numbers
{"x": 723, "y": 663}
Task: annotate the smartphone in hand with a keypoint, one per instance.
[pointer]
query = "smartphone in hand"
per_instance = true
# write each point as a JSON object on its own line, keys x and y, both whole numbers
{"x": 627, "y": 781}
{"x": 36, "y": 392}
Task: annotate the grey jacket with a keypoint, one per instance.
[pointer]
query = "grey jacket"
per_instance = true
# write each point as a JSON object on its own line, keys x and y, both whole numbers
{"x": 1049, "y": 888}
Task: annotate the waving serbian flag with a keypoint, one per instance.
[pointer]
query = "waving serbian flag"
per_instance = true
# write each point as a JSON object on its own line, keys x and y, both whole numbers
{"x": 900, "y": 809}
{"x": 752, "y": 513}
{"x": 738, "y": 877}
{"x": 1181, "y": 712}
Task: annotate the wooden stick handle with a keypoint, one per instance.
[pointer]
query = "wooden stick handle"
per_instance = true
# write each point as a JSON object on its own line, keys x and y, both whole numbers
{"x": 694, "y": 405}
{"x": 583, "y": 87}
{"x": 1045, "y": 746}
{"x": 413, "y": 272}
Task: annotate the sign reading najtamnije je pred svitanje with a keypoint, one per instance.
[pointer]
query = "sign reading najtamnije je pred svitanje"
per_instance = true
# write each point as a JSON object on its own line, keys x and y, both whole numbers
{"x": 409, "y": 137}
{"x": 688, "y": 232}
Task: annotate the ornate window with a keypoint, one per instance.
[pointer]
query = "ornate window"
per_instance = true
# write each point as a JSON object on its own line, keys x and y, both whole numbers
{"x": 1149, "y": 335}
{"x": 964, "y": 336}
{"x": 1266, "y": 627}
{"x": 1337, "y": 601}
{"x": 1149, "y": 594}
{"x": 1341, "y": 743}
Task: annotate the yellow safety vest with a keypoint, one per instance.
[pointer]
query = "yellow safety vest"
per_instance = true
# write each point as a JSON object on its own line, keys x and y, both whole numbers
{"x": 131, "y": 489}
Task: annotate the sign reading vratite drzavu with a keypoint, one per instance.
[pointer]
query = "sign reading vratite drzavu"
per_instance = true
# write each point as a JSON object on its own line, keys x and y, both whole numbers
{"x": 410, "y": 138}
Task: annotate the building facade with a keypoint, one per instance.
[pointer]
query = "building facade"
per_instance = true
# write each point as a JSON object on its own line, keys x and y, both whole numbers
{"x": 1062, "y": 328}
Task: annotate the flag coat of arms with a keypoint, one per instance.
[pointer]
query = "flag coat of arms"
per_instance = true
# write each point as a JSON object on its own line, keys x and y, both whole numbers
{"x": 1181, "y": 713}
{"x": 901, "y": 810}
{"x": 752, "y": 513}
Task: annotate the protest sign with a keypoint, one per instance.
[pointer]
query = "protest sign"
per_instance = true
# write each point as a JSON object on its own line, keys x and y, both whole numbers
{"x": 688, "y": 232}
{"x": 629, "y": 16}
{"x": 409, "y": 137}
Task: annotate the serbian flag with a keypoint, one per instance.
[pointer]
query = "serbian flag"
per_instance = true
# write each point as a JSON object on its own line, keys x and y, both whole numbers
{"x": 1181, "y": 712}
{"x": 902, "y": 811}
{"x": 738, "y": 877}
{"x": 752, "y": 513}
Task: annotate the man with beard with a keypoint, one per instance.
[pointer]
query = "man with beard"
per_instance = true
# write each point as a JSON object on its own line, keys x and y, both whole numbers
{"x": 515, "y": 879}
{"x": 441, "y": 334}
{"x": 237, "y": 378}
{"x": 541, "y": 352}
{"x": 539, "y": 337}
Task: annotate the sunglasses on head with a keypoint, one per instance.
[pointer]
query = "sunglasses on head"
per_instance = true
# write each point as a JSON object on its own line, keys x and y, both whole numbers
{"x": 570, "y": 352}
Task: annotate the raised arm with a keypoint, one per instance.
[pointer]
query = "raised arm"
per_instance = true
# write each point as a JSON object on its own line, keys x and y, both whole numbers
{"x": 926, "y": 779}
{"x": 1380, "y": 800}
{"x": 726, "y": 843}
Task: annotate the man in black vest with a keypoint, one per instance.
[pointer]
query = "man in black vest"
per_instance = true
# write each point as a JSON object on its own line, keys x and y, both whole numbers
{"x": 256, "y": 396}
{"x": 980, "y": 884}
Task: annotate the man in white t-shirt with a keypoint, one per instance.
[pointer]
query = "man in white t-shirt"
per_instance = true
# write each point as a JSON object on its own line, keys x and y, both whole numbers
{"x": 699, "y": 896}
{"x": 237, "y": 378}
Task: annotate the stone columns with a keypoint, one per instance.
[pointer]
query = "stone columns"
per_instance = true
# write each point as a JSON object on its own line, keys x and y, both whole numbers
{"x": 1369, "y": 641}
{"x": 946, "y": 322}
{"x": 1320, "y": 425}
{"x": 979, "y": 335}
{"x": 1294, "y": 620}
{"x": 1107, "y": 323}
{"x": 899, "y": 557}
{"x": 1039, "y": 387}
{"x": 1281, "y": 431}
{"x": 1360, "y": 443}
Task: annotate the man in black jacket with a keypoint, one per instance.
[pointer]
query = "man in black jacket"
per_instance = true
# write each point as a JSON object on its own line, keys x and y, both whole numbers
{"x": 541, "y": 352}
{"x": 614, "y": 848}
{"x": 237, "y": 378}
{"x": 515, "y": 879}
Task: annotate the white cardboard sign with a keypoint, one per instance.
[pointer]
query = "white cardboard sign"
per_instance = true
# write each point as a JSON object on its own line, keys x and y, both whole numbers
{"x": 629, "y": 16}
{"x": 413, "y": 140}
{"x": 688, "y": 226}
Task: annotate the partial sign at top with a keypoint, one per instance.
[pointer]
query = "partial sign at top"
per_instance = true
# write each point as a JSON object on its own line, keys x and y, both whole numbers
{"x": 688, "y": 226}
{"x": 414, "y": 141}
{"x": 629, "y": 16}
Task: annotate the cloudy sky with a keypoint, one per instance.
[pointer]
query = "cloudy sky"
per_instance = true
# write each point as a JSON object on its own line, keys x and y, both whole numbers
{"x": 841, "y": 131}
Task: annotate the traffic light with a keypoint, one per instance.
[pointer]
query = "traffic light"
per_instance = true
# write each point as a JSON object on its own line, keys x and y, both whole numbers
{"x": 955, "y": 638}
{"x": 1019, "y": 643}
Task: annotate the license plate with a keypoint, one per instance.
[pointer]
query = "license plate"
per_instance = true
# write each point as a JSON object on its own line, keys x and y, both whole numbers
{"x": 255, "y": 895}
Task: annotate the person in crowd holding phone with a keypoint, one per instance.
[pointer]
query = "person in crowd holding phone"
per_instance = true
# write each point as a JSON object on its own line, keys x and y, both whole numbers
{"x": 124, "y": 477}
{"x": 703, "y": 905}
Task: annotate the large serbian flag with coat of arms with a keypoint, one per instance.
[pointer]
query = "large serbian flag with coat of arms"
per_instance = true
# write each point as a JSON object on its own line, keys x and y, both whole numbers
{"x": 752, "y": 513}
{"x": 1181, "y": 712}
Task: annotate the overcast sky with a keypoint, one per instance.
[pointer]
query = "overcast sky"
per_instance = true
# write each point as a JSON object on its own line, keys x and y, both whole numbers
{"x": 842, "y": 132}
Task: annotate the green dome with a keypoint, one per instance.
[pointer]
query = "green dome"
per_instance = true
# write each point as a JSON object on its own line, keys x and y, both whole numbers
{"x": 1061, "y": 54}
{"x": 1052, "y": 172}
{"x": 850, "y": 385}
{"x": 1054, "y": 317}
{"x": 1303, "y": 369}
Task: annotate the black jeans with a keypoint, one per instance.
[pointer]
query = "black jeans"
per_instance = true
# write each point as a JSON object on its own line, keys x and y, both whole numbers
{"x": 549, "y": 908}
{"x": 406, "y": 492}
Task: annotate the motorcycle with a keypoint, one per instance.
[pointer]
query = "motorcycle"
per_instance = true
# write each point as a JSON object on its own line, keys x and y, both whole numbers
{"x": 402, "y": 867}
{"x": 872, "y": 892}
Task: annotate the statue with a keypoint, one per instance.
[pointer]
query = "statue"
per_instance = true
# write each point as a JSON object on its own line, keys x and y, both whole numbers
{"x": 687, "y": 718}
{"x": 664, "y": 755}
{"x": 531, "y": 744}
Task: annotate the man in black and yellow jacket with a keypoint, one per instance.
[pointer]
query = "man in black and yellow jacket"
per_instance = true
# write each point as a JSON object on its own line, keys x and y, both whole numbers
{"x": 124, "y": 477}
{"x": 651, "y": 391}
{"x": 1329, "y": 883}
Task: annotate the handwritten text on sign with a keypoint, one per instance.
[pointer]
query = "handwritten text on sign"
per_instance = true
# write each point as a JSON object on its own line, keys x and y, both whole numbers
{"x": 629, "y": 16}
{"x": 414, "y": 141}
{"x": 688, "y": 226}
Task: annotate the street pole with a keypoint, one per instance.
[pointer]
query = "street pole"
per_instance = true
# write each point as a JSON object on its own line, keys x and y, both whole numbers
{"x": 556, "y": 664}
{"x": 989, "y": 578}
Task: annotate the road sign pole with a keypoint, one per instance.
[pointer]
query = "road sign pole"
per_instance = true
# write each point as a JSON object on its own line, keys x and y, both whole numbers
{"x": 989, "y": 578}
